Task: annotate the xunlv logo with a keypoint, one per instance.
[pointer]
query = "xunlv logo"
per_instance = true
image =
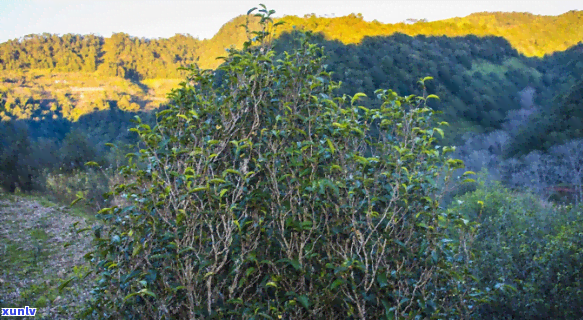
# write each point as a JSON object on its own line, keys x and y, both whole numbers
{"x": 19, "y": 312}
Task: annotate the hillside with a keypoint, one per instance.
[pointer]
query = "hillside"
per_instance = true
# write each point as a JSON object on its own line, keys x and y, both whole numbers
{"x": 562, "y": 122}
{"x": 531, "y": 35}
{"x": 43, "y": 95}
{"x": 131, "y": 57}
{"x": 480, "y": 64}
{"x": 49, "y": 76}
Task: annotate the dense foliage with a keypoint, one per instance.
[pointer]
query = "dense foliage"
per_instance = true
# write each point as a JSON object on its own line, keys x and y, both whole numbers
{"x": 120, "y": 55}
{"x": 265, "y": 195}
{"x": 528, "y": 249}
{"x": 16, "y": 162}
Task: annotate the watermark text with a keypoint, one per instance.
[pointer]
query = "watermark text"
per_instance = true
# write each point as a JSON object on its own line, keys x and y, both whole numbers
{"x": 19, "y": 312}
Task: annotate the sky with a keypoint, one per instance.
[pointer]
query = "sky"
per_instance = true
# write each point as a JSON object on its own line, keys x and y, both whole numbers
{"x": 202, "y": 19}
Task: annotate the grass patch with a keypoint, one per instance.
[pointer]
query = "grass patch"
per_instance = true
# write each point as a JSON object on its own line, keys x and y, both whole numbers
{"x": 23, "y": 258}
{"x": 83, "y": 212}
{"x": 485, "y": 67}
{"x": 39, "y": 234}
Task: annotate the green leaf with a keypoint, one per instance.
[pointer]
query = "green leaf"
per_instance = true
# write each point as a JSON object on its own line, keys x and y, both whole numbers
{"x": 251, "y": 10}
{"x": 510, "y": 287}
{"x": 137, "y": 249}
{"x": 148, "y": 292}
{"x": 331, "y": 146}
{"x": 249, "y": 271}
{"x": 180, "y": 217}
{"x": 163, "y": 113}
{"x": 199, "y": 189}
{"x": 231, "y": 171}
{"x": 83, "y": 230}
{"x": 175, "y": 289}
{"x": 65, "y": 283}
{"x": 236, "y": 301}
{"x": 356, "y": 97}
{"x": 294, "y": 263}
{"x": 336, "y": 283}
{"x": 388, "y": 310}
{"x": 129, "y": 296}
{"x": 382, "y": 279}
{"x": 92, "y": 164}
{"x": 303, "y": 299}
{"x": 76, "y": 200}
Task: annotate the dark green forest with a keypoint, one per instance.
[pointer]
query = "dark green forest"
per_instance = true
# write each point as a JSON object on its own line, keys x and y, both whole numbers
{"x": 501, "y": 235}
{"x": 481, "y": 82}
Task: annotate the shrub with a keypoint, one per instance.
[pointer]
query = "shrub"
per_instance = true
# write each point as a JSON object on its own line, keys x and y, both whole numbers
{"x": 91, "y": 184}
{"x": 558, "y": 290}
{"x": 528, "y": 254}
{"x": 18, "y": 167}
{"x": 75, "y": 151}
{"x": 265, "y": 195}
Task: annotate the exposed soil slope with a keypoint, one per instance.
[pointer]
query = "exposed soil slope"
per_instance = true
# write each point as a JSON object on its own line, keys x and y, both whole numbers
{"x": 34, "y": 261}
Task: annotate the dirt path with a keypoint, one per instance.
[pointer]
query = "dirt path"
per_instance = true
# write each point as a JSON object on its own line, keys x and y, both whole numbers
{"x": 34, "y": 261}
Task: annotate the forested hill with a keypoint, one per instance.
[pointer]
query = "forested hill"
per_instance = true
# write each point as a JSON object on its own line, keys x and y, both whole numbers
{"x": 131, "y": 57}
{"x": 52, "y": 81}
{"x": 529, "y": 34}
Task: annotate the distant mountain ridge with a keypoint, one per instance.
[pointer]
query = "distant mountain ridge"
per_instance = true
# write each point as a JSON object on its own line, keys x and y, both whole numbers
{"x": 531, "y": 35}
{"x": 97, "y": 83}
{"x": 132, "y": 57}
